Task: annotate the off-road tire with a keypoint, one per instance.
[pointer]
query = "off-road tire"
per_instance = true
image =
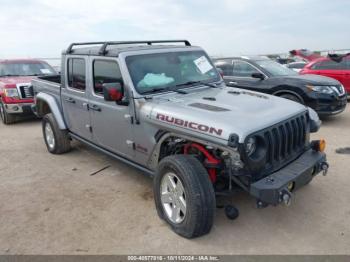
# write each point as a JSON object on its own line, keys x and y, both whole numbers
{"x": 6, "y": 118}
{"x": 292, "y": 98}
{"x": 61, "y": 137}
{"x": 199, "y": 191}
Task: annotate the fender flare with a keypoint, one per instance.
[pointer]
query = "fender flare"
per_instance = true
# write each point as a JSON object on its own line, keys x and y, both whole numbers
{"x": 54, "y": 107}
{"x": 284, "y": 91}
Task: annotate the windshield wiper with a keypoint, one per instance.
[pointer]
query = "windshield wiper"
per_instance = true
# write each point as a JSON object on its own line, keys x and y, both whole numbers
{"x": 177, "y": 89}
{"x": 160, "y": 90}
{"x": 153, "y": 90}
{"x": 190, "y": 83}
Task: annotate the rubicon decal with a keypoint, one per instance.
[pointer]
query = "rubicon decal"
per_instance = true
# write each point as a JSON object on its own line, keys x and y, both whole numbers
{"x": 189, "y": 124}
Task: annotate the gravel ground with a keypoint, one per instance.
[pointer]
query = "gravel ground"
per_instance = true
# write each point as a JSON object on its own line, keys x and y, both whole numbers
{"x": 52, "y": 205}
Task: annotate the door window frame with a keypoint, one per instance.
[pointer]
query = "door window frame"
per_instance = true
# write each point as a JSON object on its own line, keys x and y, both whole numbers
{"x": 93, "y": 73}
{"x": 67, "y": 72}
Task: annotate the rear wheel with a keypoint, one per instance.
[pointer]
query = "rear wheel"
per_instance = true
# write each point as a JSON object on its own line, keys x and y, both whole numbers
{"x": 292, "y": 97}
{"x": 184, "y": 195}
{"x": 6, "y": 118}
{"x": 57, "y": 141}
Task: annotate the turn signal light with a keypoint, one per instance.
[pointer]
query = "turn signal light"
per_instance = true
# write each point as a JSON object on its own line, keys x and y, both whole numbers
{"x": 319, "y": 145}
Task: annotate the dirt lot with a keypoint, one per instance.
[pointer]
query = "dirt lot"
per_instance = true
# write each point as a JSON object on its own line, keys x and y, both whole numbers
{"x": 52, "y": 205}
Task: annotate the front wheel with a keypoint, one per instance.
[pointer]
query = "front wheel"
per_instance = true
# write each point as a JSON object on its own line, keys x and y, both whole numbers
{"x": 292, "y": 98}
{"x": 184, "y": 195}
{"x": 6, "y": 118}
{"x": 57, "y": 141}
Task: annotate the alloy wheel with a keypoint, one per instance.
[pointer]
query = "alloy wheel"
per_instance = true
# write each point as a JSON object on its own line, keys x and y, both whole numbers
{"x": 49, "y": 136}
{"x": 173, "y": 198}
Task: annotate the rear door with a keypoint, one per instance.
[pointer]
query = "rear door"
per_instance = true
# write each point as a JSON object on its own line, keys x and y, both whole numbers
{"x": 111, "y": 123}
{"x": 75, "y": 97}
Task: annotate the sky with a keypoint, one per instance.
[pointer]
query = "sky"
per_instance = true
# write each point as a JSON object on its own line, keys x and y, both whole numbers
{"x": 43, "y": 28}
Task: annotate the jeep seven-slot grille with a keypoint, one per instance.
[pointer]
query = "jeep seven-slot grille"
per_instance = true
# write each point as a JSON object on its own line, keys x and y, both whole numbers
{"x": 286, "y": 140}
{"x": 27, "y": 91}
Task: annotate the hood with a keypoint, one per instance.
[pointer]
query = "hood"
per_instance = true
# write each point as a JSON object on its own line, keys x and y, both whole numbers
{"x": 309, "y": 80}
{"x": 13, "y": 80}
{"x": 220, "y": 112}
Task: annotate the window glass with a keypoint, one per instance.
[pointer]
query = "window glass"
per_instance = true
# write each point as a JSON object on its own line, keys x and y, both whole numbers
{"x": 153, "y": 73}
{"x": 243, "y": 69}
{"x": 25, "y": 69}
{"x": 327, "y": 65}
{"x": 345, "y": 64}
{"x": 105, "y": 72}
{"x": 274, "y": 68}
{"x": 226, "y": 67}
{"x": 296, "y": 65}
{"x": 76, "y": 73}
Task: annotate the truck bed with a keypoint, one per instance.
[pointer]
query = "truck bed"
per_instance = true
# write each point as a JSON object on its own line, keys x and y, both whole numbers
{"x": 50, "y": 85}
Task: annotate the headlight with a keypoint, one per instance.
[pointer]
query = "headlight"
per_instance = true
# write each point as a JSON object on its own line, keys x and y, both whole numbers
{"x": 250, "y": 146}
{"x": 321, "y": 89}
{"x": 11, "y": 92}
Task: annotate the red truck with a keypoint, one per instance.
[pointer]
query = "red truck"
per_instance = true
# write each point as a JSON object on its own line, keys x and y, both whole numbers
{"x": 16, "y": 91}
{"x": 337, "y": 68}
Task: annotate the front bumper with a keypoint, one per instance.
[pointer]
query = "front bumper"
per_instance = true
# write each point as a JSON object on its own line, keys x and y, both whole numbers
{"x": 329, "y": 106}
{"x": 23, "y": 108}
{"x": 276, "y": 188}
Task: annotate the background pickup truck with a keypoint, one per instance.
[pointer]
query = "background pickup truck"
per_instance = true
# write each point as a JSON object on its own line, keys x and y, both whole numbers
{"x": 165, "y": 110}
{"x": 16, "y": 92}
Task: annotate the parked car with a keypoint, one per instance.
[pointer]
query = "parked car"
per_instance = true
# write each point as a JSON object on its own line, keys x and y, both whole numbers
{"x": 16, "y": 93}
{"x": 325, "y": 95}
{"x": 165, "y": 110}
{"x": 339, "y": 70}
{"x": 296, "y": 66}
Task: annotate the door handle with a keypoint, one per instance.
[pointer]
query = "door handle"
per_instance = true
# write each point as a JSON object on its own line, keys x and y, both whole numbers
{"x": 70, "y": 100}
{"x": 232, "y": 83}
{"x": 95, "y": 108}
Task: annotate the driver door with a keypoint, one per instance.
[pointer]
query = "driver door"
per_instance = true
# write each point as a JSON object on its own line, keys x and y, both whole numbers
{"x": 111, "y": 123}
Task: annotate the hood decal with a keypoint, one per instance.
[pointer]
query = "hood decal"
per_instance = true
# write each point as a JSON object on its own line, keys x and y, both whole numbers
{"x": 188, "y": 124}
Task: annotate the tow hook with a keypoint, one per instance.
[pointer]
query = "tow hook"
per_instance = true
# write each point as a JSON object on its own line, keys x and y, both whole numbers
{"x": 286, "y": 197}
{"x": 324, "y": 168}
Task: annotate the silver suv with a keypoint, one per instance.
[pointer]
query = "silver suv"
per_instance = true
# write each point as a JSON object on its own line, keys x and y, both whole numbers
{"x": 163, "y": 108}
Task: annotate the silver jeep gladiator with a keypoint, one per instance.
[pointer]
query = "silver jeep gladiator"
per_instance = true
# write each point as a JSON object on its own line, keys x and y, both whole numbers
{"x": 162, "y": 107}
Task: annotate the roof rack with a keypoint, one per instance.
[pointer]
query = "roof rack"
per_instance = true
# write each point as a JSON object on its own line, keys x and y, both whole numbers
{"x": 104, "y": 46}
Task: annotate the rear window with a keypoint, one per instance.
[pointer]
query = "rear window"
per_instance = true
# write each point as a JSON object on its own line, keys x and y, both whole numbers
{"x": 76, "y": 73}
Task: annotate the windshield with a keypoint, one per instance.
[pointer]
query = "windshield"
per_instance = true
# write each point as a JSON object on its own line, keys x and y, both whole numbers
{"x": 275, "y": 69}
{"x": 161, "y": 71}
{"x": 25, "y": 69}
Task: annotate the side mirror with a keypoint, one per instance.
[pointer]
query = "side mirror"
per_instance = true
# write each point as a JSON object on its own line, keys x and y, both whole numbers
{"x": 258, "y": 75}
{"x": 113, "y": 92}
